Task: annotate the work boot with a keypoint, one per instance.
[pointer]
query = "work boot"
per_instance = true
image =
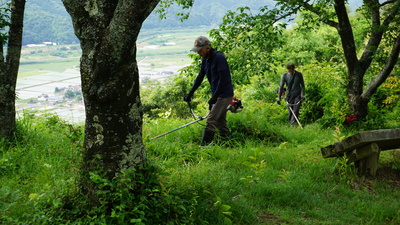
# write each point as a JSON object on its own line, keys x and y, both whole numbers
{"x": 208, "y": 136}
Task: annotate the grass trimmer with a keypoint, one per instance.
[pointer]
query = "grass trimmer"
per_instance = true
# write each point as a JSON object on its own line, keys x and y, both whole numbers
{"x": 199, "y": 118}
{"x": 294, "y": 115}
{"x": 235, "y": 106}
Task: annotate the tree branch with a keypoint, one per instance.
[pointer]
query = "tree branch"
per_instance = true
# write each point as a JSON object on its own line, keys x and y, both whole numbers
{"x": 378, "y": 30}
{"x": 393, "y": 13}
{"x": 385, "y": 72}
{"x": 387, "y": 2}
{"x": 283, "y": 16}
{"x": 346, "y": 35}
{"x": 375, "y": 37}
{"x": 318, "y": 13}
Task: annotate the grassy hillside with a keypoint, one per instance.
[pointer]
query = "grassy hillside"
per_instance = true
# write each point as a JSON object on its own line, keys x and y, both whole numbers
{"x": 269, "y": 173}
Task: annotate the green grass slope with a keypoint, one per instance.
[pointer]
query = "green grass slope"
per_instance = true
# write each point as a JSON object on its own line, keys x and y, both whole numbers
{"x": 268, "y": 173}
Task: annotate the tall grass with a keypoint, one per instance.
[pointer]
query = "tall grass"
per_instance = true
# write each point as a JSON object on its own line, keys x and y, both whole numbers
{"x": 268, "y": 173}
{"x": 271, "y": 173}
{"x": 40, "y": 166}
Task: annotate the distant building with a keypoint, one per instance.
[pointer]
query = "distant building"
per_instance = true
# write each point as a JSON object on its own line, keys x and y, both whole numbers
{"x": 151, "y": 47}
{"x": 35, "y": 45}
{"x": 49, "y": 43}
{"x": 46, "y": 43}
{"x": 170, "y": 44}
{"x": 55, "y": 99}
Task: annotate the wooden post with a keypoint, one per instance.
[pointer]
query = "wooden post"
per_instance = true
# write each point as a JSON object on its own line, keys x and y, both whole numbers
{"x": 366, "y": 159}
{"x": 362, "y": 152}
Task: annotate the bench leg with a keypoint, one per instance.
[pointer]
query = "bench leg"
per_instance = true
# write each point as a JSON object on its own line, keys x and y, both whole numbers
{"x": 367, "y": 166}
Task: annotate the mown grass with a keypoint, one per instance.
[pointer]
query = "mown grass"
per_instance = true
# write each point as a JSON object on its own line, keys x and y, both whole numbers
{"x": 269, "y": 173}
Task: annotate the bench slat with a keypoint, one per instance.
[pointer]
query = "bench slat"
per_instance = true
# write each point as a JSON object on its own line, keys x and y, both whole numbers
{"x": 386, "y": 139}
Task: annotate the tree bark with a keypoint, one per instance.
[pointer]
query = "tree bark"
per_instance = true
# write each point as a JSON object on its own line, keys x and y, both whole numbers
{"x": 359, "y": 97}
{"x": 9, "y": 70}
{"x": 354, "y": 71}
{"x": 108, "y": 32}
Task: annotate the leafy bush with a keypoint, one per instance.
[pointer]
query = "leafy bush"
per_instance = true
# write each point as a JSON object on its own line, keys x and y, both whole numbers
{"x": 122, "y": 202}
{"x": 167, "y": 100}
{"x": 311, "y": 110}
{"x": 254, "y": 38}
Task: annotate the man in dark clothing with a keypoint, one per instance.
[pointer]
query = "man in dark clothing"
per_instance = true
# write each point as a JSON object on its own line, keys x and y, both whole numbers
{"x": 216, "y": 68}
{"x": 295, "y": 91}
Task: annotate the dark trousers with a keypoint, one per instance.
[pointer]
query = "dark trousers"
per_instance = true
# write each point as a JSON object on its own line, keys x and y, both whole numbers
{"x": 217, "y": 117}
{"x": 295, "y": 108}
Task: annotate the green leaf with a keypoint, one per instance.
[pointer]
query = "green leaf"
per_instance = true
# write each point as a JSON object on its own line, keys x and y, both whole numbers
{"x": 225, "y": 207}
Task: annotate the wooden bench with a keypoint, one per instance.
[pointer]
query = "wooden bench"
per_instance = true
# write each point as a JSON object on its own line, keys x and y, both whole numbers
{"x": 364, "y": 149}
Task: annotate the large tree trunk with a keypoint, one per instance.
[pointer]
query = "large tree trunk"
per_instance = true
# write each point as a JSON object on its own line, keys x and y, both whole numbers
{"x": 108, "y": 31}
{"x": 359, "y": 97}
{"x": 9, "y": 70}
{"x": 355, "y": 73}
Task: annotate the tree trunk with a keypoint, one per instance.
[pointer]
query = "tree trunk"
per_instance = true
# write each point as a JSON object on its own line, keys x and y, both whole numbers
{"x": 9, "y": 70}
{"x": 358, "y": 104}
{"x": 357, "y": 96}
{"x": 108, "y": 31}
{"x": 356, "y": 68}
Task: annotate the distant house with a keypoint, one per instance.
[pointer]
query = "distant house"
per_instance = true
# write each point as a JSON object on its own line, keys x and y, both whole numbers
{"x": 49, "y": 43}
{"x": 35, "y": 45}
{"x": 55, "y": 99}
{"x": 46, "y": 43}
{"x": 75, "y": 88}
{"x": 42, "y": 98}
{"x": 170, "y": 44}
{"x": 152, "y": 47}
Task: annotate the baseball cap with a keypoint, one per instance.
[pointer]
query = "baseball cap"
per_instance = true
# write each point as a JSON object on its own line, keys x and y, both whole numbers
{"x": 200, "y": 42}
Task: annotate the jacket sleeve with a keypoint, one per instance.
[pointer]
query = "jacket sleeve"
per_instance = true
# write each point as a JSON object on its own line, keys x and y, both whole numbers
{"x": 281, "y": 85}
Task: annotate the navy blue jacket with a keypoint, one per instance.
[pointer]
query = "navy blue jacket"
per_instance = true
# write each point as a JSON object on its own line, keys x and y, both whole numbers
{"x": 218, "y": 74}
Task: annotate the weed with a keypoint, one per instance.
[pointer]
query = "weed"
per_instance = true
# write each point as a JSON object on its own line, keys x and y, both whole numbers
{"x": 223, "y": 209}
{"x": 346, "y": 170}
{"x": 257, "y": 166}
{"x": 130, "y": 198}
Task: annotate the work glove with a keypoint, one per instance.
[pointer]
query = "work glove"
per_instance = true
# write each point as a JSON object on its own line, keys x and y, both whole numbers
{"x": 187, "y": 97}
{"x": 211, "y": 102}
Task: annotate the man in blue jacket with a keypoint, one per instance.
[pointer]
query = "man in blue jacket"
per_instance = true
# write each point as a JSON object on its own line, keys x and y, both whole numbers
{"x": 216, "y": 68}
